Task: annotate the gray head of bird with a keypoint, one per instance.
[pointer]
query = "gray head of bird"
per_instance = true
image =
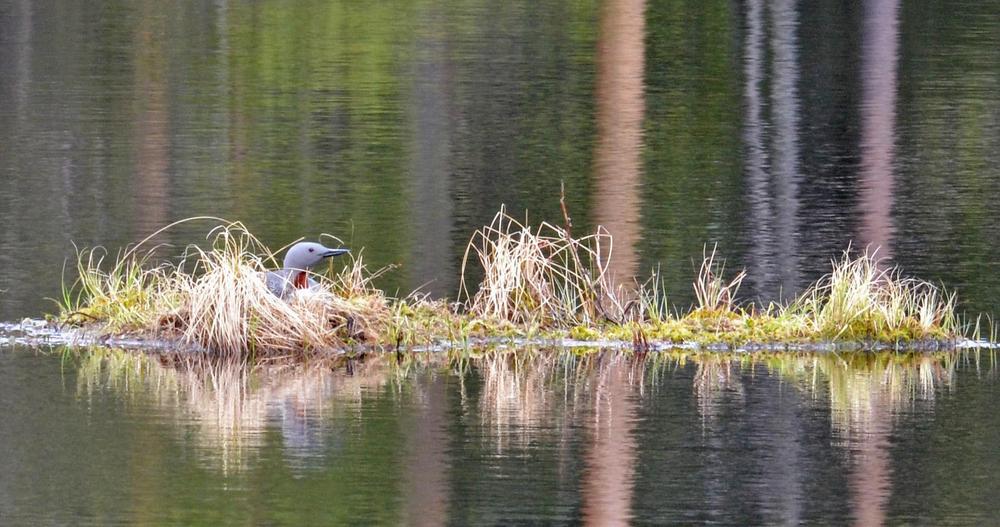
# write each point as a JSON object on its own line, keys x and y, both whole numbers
{"x": 306, "y": 255}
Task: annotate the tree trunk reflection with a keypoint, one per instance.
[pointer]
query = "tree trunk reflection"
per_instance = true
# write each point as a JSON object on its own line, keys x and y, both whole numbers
{"x": 620, "y": 106}
{"x": 612, "y": 453}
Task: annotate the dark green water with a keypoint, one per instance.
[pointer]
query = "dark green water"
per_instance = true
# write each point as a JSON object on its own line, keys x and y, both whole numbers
{"x": 112, "y": 437}
{"x": 784, "y": 131}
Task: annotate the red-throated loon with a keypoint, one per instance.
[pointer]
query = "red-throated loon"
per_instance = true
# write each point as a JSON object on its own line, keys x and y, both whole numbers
{"x": 299, "y": 259}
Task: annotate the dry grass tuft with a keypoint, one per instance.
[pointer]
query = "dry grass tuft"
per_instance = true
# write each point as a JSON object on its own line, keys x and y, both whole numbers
{"x": 712, "y": 292}
{"x": 862, "y": 298}
{"x": 540, "y": 276}
{"x": 230, "y": 309}
{"x": 223, "y": 303}
{"x": 121, "y": 297}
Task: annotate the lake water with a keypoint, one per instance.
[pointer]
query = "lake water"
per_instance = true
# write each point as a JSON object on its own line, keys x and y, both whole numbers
{"x": 105, "y": 437}
{"x": 783, "y": 131}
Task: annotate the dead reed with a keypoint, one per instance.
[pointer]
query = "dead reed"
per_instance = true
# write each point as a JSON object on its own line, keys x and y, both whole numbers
{"x": 712, "y": 292}
{"x": 539, "y": 276}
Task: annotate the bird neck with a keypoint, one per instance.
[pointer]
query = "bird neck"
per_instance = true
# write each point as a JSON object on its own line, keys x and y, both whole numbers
{"x": 299, "y": 280}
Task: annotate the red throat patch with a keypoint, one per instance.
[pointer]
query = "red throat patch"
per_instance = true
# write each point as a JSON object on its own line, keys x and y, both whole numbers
{"x": 300, "y": 281}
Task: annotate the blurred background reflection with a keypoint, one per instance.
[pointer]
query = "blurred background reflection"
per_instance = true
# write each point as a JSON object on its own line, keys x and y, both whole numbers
{"x": 784, "y": 131}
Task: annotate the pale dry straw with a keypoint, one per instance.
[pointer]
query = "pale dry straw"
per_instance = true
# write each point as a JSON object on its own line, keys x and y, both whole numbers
{"x": 540, "y": 276}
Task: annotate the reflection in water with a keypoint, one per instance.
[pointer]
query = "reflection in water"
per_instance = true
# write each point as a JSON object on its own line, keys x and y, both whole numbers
{"x": 19, "y": 40}
{"x": 522, "y": 392}
{"x": 581, "y": 422}
{"x": 861, "y": 385}
{"x": 427, "y": 460}
{"x": 719, "y": 389}
{"x": 866, "y": 393}
{"x": 879, "y": 57}
{"x": 15, "y": 54}
{"x": 716, "y": 378}
{"x": 785, "y": 106}
{"x": 525, "y": 396}
{"x": 761, "y": 267}
{"x": 431, "y": 220}
{"x": 865, "y": 390}
{"x": 865, "y": 396}
{"x": 613, "y": 452}
{"x": 152, "y": 124}
{"x": 620, "y": 106}
{"x": 228, "y": 407}
{"x": 870, "y": 425}
{"x": 773, "y": 174}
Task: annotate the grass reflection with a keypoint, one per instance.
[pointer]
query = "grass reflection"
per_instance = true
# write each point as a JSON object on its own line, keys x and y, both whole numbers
{"x": 517, "y": 397}
{"x": 528, "y": 393}
{"x": 865, "y": 389}
{"x": 860, "y": 386}
{"x": 227, "y": 407}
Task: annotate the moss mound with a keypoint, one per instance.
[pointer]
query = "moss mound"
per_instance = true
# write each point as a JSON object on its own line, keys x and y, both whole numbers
{"x": 537, "y": 282}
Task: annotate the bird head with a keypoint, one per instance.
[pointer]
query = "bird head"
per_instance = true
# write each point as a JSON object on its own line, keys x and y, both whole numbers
{"x": 305, "y": 255}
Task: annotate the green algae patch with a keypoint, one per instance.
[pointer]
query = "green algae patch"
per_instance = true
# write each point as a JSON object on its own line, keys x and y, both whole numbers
{"x": 537, "y": 283}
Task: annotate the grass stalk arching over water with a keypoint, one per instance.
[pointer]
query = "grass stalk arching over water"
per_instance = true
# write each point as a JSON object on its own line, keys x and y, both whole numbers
{"x": 537, "y": 282}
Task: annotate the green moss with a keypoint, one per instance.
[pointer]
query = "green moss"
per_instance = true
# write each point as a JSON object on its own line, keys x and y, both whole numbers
{"x": 584, "y": 333}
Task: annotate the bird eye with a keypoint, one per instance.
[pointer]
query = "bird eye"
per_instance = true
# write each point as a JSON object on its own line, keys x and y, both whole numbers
{"x": 312, "y": 250}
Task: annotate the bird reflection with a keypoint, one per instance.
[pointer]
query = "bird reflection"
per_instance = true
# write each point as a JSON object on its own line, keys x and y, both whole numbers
{"x": 231, "y": 407}
{"x": 582, "y": 408}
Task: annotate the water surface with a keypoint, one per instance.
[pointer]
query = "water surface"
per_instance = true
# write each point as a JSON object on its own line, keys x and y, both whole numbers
{"x": 784, "y": 131}
{"x": 116, "y": 437}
